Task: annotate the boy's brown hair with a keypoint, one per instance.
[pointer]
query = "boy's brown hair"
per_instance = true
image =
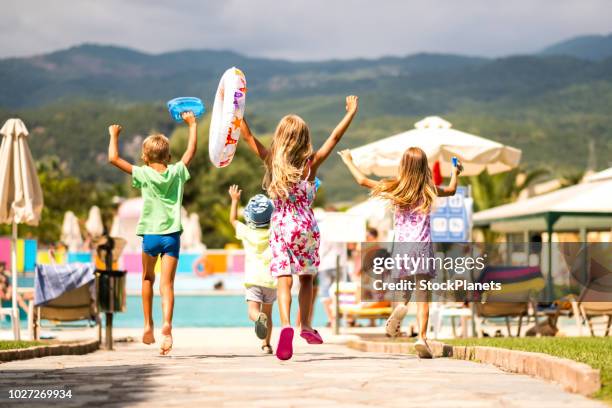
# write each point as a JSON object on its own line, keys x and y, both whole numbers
{"x": 156, "y": 149}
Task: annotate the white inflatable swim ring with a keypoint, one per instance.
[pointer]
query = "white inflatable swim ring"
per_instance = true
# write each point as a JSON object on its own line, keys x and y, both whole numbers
{"x": 227, "y": 115}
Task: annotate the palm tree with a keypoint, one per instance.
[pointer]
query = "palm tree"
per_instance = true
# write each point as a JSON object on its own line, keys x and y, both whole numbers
{"x": 572, "y": 178}
{"x": 493, "y": 190}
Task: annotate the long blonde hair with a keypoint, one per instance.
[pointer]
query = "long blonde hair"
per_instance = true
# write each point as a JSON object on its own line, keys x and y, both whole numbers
{"x": 413, "y": 187}
{"x": 289, "y": 154}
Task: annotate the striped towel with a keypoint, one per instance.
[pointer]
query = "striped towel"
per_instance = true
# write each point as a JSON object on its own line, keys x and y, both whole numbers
{"x": 513, "y": 279}
{"x": 52, "y": 281}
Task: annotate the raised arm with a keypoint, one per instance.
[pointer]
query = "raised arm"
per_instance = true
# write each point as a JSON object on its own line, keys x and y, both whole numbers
{"x": 113, "y": 150}
{"x": 352, "y": 103}
{"x": 452, "y": 187}
{"x": 192, "y": 144}
{"x": 234, "y": 192}
{"x": 254, "y": 144}
{"x": 360, "y": 178}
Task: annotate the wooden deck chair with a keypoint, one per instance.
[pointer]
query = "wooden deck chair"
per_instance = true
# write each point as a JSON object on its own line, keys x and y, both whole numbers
{"x": 519, "y": 290}
{"x": 497, "y": 308}
{"x": 596, "y": 301}
{"x": 77, "y": 304}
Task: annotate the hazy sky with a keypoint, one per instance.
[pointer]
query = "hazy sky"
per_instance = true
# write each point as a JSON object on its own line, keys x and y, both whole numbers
{"x": 301, "y": 29}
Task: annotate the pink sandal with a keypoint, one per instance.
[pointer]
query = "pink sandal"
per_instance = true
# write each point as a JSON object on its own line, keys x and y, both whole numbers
{"x": 311, "y": 336}
{"x": 284, "y": 350}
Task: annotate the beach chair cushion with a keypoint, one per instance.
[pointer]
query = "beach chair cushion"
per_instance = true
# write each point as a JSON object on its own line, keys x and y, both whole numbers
{"x": 77, "y": 304}
{"x": 350, "y": 306}
{"x": 502, "y": 309}
{"x": 596, "y": 299}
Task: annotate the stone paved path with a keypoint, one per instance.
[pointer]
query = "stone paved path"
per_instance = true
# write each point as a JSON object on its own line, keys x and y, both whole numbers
{"x": 214, "y": 368}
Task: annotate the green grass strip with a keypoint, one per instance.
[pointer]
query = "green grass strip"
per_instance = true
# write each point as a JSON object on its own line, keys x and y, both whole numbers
{"x": 11, "y": 345}
{"x": 594, "y": 351}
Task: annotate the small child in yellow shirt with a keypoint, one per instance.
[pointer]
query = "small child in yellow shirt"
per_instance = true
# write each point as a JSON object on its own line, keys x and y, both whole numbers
{"x": 258, "y": 281}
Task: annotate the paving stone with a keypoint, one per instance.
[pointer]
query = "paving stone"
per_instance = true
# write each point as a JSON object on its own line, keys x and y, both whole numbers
{"x": 227, "y": 372}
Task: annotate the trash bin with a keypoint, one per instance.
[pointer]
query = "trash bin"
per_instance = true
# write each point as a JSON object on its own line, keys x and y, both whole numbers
{"x": 110, "y": 283}
{"x": 111, "y": 291}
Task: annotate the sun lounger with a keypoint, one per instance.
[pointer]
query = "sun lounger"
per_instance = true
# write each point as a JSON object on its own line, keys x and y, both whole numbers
{"x": 351, "y": 308}
{"x": 590, "y": 265}
{"x": 519, "y": 290}
{"x": 63, "y": 293}
{"x": 596, "y": 301}
{"x": 74, "y": 305}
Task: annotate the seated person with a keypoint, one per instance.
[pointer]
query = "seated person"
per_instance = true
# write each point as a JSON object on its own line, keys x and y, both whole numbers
{"x": 6, "y": 290}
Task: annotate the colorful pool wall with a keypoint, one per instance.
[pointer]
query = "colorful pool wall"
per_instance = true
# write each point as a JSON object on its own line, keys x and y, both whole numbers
{"x": 218, "y": 261}
{"x": 26, "y": 254}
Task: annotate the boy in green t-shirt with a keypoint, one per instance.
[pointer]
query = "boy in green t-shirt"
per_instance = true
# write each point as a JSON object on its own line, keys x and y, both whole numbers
{"x": 162, "y": 186}
{"x": 258, "y": 281}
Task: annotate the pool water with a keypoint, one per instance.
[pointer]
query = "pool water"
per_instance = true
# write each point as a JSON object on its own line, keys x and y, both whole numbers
{"x": 190, "y": 310}
{"x": 205, "y": 311}
{"x": 195, "y": 311}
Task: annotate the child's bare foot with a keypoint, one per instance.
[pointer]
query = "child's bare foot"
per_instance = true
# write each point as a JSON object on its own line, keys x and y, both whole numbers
{"x": 148, "y": 337}
{"x": 166, "y": 345}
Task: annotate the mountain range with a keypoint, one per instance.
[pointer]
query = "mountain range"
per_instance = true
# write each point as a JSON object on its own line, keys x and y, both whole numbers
{"x": 552, "y": 104}
{"x": 591, "y": 47}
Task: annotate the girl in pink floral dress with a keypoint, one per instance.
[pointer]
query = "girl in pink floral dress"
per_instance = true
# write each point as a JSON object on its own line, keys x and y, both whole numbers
{"x": 291, "y": 167}
{"x": 412, "y": 193}
{"x": 295, "y": 237}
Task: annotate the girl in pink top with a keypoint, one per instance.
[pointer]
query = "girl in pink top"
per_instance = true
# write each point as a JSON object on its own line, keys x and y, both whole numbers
{"x": 291, "y": 167}
{"x": 412, "y": 193}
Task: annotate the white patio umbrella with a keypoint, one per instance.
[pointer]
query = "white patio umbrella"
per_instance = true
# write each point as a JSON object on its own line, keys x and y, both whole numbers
{"x": 440, "y": 142}
{"x": 71, "y": 232}
{"x": 191, "y": 239}
{"x": 94, "y": 225}
{"x": 21, "y": 198}
{"x": 126, "y": 221}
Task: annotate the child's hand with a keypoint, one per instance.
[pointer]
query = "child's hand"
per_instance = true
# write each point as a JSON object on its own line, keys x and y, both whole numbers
{"x": 458, "y": 169}
{"x": 352, "y": 103}
{"x": 346, "y": 155}
{"x": 114, "y": 130}
{"x": 235, "y": 192}
{"x": 189, "y": 118}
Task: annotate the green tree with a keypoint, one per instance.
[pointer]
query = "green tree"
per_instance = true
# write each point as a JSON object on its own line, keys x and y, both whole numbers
{"x": 492, "y": 190}
{"x": 572, "y": 177}
{"x": 62, "y": 193}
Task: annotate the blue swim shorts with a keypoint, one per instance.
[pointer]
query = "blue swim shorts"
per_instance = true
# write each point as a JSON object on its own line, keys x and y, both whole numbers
{"x": 167, "y": 244}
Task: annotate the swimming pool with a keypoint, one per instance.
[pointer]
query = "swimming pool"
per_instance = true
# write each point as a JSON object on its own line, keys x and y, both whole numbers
{"x": 195, "y": 311}
{"x": 192, "y": 307}
{"x": 204, "y": 311}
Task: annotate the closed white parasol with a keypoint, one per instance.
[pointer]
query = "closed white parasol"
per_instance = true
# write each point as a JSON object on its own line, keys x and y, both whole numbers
{"x": 21, "y": 198}
{"x": 71, "y": 232}
{"x": 94, "y": 224}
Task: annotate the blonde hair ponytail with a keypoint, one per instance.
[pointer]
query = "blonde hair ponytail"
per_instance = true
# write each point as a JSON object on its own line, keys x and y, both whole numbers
{"x": 413, "y": 188}
{"x": 289, "y": 154}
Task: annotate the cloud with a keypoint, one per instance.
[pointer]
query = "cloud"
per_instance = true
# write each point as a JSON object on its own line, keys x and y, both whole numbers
{"x": 302, "y": 29}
